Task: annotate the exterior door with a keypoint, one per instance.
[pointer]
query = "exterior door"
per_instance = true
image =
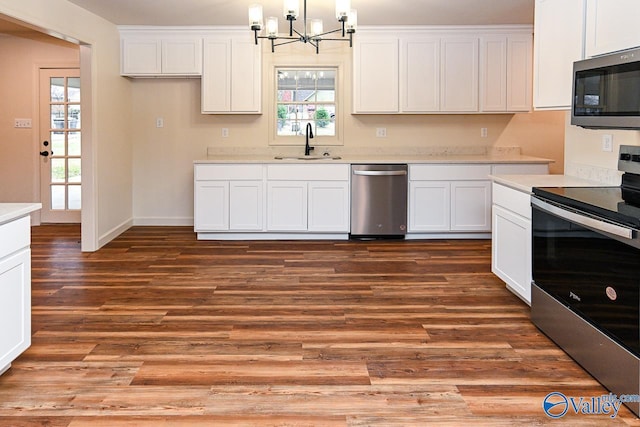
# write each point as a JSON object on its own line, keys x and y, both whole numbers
{"x": 60, "y": 142}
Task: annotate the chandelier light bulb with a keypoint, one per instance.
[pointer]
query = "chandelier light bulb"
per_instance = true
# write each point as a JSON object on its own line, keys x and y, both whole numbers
{"x": 291, "y": 9}
{"x": 272, "y": 26}
{"x": 315, "y": 27}
{"x": 255, "y": 17}
{"x": 342, "y": 9}
{"x": 352, "y": 21}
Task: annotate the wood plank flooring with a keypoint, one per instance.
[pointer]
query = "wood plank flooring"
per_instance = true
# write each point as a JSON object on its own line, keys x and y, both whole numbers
{"x": 159, "y": 329}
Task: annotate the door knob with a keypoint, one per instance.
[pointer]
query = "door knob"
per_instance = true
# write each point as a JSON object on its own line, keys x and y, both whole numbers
{"x": 45, "y": 153}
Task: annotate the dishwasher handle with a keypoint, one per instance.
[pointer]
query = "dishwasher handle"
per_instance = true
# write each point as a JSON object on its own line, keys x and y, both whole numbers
{"x": 380, "y": 173}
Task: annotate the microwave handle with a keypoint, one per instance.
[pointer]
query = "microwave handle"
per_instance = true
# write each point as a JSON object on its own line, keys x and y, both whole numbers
{"x": 586, "y": 221}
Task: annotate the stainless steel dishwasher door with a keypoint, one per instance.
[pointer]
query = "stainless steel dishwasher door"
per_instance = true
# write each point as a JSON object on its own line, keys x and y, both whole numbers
{"x": 378, "y": 200}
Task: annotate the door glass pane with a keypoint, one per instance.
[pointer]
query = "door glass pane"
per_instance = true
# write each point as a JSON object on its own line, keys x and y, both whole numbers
{"x": 74, "y": 143}
{"x": 73, "y": 119}
{"x": 57, "y": 197}
{"x": 75, "y": 199}
{"x": 57, "y": 117}
{"x": 57, "y": 144}
{"x": 58, "y": 170}
{"x": 73, "y": 91}
{"x": 57, "y": 89}
{"x": 74, "y": 170}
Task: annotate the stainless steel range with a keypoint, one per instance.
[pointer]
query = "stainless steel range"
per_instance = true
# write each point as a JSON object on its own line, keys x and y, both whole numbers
{"x": 586, "y": 275}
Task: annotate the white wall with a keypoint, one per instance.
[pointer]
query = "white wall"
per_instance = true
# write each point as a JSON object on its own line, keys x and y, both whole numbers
{"x": 584, "y": 157}
{"x": 110, "y": 130}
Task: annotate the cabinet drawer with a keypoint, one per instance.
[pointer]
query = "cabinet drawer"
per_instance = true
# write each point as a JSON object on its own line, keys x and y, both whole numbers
{"x": 308, "y": 172}
{"x": 228, "y": 172}
{"x": 520, "y": 169}
{"x": 448, "y": 172}
{"x": 15, "y": 235}
{"x": 516, "y": 201}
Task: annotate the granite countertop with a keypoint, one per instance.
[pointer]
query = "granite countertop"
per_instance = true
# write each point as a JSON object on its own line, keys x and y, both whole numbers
{"x": 526, "y": 183}
{"x": 12, "y": 211}
{"x": 363, "y": 158}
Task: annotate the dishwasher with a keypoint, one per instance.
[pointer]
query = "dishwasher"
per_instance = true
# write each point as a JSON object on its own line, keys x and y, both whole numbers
{"x": 378, "y": 200}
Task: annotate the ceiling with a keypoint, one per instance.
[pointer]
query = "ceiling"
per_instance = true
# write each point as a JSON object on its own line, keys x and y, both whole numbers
{"x": 370, "y": 12}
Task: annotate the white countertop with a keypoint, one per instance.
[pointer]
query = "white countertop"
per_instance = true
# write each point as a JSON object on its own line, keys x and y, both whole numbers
{"x": 527, "y": 182}
{"x": 348, "y": 159}
{"x": 11, "y": 211}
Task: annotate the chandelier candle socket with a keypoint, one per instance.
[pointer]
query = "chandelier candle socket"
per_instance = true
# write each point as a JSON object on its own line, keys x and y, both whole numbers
{"x": 313, "y": 31}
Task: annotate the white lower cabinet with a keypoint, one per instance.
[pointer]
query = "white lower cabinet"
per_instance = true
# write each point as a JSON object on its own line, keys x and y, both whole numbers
{"x": 328, "y": 206}
{"x": 308, "y": 198}
{"x": 449, "y": 198}
{"x": 249, "y": 199}
{"x": 228, "y": 198}
{"x": 511, "y": 239}
{"x": 15, "y": 290}
{"x": 287, "y": 206}
{"x": 471, "y": 206}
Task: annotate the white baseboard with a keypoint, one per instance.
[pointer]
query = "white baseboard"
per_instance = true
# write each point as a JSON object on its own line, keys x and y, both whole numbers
{"x": 164, "y": 221}
{"x": 114, "y": 232}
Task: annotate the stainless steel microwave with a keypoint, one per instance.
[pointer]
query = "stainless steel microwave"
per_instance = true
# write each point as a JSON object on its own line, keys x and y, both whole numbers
{"x": 606, "y": 91}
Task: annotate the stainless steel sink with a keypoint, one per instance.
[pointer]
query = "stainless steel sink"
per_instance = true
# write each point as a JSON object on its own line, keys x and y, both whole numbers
{"x": 307, "y": 157}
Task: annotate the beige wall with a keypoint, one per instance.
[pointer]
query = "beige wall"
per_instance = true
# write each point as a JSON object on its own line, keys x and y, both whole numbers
{"x": 163, "y": 157}
{"x": 109, "y": 155}
{"x": 19, "y": 159}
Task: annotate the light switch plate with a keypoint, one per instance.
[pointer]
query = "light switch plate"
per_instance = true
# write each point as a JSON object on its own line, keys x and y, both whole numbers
{"x": 607, "y": 143}
{"x": 22, "y": 123}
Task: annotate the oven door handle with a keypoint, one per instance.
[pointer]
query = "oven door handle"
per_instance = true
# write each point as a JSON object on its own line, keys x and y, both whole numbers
{"x": 587, "y": 221}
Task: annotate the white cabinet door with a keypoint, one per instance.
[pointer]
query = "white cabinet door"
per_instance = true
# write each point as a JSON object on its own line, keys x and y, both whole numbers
{"x": 375, "y": 75}
{"x": 459, "y": 74}
{"x": 420, "y": 74}
{"x": 245, "y": 206}
{"x": 493, "y": 73}
{"x": 329, "y": 206}
{"x": 211, "y": 208}
{"x": 15, "y": 306}
{"x": 246, "y": 76}
{"x": 182, "y": 56}
{"x": 429, "y": 206}
{"x": 141, "y": 56}
{"x": 511, "y": 251}
{"x": 559, "y": 29}
{"x": 286, "y": 206}
{"x": 611, "y": 25}
{"x": 519, "y": 72}
{"x": 471, "y": 206}
{"x": 506, "y": 72}
{"x": 216, "y": 76}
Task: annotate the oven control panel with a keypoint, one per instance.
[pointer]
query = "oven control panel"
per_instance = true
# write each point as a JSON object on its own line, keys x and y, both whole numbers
{"x": 629, "y": 159}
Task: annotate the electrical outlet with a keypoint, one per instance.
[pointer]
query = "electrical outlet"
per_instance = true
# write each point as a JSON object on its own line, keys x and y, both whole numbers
{"x": 159, "y": 122}
{"x": 225, "y": 132}
{"x": 381, "y": 132}
{"x": 22, "y": 123}
{"x": 607, "y": 143}
{"x": 484, "y": 132}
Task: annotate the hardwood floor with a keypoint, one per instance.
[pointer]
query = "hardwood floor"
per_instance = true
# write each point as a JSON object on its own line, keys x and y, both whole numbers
{"x": 160, "y": 329}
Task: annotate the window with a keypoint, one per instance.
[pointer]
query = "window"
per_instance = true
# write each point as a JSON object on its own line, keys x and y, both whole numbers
{"x": 305, "y": 96}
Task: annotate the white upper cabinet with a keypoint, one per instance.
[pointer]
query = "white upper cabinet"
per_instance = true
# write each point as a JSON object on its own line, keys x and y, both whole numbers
{"x": 611, "y": 26}
{"x": 506, "y": 72}
{"x": 420, "y": 78}
{"x": 375, "y": 75}
{"x": 231, "y": 76}
{"x": 443, "y": 70}
{"x": 559, "y": 29}
{"x": 459, "y": 74}
{"x": 160, "y": 53}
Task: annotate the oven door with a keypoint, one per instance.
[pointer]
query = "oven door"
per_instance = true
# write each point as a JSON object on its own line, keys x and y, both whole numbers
{"x": 591, "y": 266}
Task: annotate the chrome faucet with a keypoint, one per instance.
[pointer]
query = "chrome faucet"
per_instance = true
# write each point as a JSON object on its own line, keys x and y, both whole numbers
{"x": 309, "y": 132}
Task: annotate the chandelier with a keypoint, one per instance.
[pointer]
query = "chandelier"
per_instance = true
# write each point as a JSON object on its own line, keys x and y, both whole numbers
{"x": 312, "y": 32}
